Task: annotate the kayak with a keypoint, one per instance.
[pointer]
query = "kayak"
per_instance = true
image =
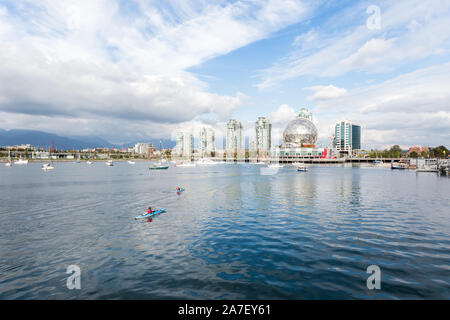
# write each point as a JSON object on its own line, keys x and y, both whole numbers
{"x": 182, "y": 189}
{"x": 149, "y": 215}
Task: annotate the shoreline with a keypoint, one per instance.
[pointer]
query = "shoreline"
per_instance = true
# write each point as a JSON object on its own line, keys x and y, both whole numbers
{"x": 81, "y": 161}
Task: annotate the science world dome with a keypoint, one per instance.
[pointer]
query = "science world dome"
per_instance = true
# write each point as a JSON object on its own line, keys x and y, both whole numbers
{"x": 300, "y": 131}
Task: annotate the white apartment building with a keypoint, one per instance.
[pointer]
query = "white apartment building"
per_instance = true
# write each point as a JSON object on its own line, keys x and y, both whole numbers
{"x": 207, "y": 142}
{"x": 184, "y": 144}
{"x": 234, "y": 137}
{"x": 263, "y": 138}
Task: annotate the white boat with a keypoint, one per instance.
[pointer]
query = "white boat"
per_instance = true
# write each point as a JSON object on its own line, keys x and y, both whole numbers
{"x": 21, "y": 161}
{"x": 302, "y": 168}
{"x": 398, "y": 166}
{"x": 427, "y": 170}
{"x": 206, "y": 162}
{"x": 131, "y": 162}
{"x": 88, "y": 162}
{"x": 47, "y": 166}
{"x": 109, "y": 163}
{"x": 275, "y": 165}
{"x": 185, "y": 165}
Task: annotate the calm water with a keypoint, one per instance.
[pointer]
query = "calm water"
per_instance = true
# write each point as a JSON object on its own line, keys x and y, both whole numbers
{"x": 233, "y": 234}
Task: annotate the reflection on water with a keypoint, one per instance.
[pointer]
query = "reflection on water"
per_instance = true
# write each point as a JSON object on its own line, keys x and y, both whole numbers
{"x": 233, "y": 233}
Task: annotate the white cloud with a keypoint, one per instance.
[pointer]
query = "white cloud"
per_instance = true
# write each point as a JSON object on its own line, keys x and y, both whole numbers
{"x": 408, "y": 109}
{"x": 325, "y": 92}
{"x": 371, "y": 53}
{"x": 411, "y": 30}
{"x": 282, "y": 115}
{"x": 105, "y": 61}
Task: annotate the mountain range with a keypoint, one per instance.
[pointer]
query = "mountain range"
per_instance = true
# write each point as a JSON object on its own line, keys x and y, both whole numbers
{"x": 43, "y": 139}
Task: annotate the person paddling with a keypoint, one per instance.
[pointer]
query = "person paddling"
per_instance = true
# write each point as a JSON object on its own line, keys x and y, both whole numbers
{"x": 149, "y": 210}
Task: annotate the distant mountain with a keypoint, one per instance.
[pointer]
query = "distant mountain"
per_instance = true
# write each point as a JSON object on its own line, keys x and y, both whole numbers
{"x": 94, "y": 141}
{"x": 41, "y": 139}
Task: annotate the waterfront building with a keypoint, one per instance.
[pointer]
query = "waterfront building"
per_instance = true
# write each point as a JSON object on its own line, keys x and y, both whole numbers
{"x": 144, "y": 148}
{"x": 299, "y": 139}
{"x": 207, "y": 142}
{"x": 234, "y": 142}
{"x": 41, "y": 155}
{"x": 184, "y": 144}
{"x": 418, "y": 150}
{"x": 347, "y": 137}
{"x": 252, "y": 152}
{"x": 263, "y": 137}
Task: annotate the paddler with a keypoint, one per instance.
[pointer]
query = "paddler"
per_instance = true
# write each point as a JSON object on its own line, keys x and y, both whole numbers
{"x": 149, "y": 210}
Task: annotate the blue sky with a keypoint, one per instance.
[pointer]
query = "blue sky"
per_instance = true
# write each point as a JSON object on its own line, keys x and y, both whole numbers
{"x": 151, "y": 68}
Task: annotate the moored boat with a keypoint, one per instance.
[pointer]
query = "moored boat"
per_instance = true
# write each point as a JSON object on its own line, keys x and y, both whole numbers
{"x": 47, "y": 167}
{"x": 185, "y": 165}
{"x": 275, "y": 165}
{"x": 159, "y": 166}
{"x": 398, "y": 166}
{"x": 21, "y": 161}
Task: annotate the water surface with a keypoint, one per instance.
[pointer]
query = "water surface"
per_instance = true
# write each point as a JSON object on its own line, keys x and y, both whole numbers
{"x": 233, "y": 234}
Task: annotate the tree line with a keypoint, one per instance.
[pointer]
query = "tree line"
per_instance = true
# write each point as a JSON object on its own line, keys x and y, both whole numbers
{"x": 396, "y": 152}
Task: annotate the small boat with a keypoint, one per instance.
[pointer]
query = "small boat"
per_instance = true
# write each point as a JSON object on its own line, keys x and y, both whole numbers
{"x": 21, "y": 161}
{"x": 131, "y": 162}
{"x": 302, "y": 168}
{"x": 427, "y": 170}
{"x": 9, "y": 163}
{"x": 109, "y": 163}
{"x": 149, "y": 215}
{"x": 47, "y": 166}
{"x": 275, "y": 165}
{"x": 179, "y": 191}
{"x": 207, "y": 162}
{"x": 88, "y": 162}
{"x": 398, "y": 166}
{"x": 158, "y": 167}
{"x": 185, "y": 165}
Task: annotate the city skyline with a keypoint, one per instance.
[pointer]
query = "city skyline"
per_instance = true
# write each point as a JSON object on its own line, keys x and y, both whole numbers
{"x": 70, "y": 67}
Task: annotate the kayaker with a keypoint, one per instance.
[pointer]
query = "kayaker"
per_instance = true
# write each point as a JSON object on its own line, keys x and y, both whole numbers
{"x": 178, "y": 188}
{"x": 149, "y": 210}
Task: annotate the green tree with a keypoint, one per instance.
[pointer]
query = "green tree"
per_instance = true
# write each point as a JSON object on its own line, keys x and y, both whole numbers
{"x": 439, "y": 152}
{"x": 395, "y": 152}
{"x": 414, "y": 154}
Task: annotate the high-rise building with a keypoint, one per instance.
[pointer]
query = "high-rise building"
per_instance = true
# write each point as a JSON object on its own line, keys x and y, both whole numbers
{"x": 144, "y": 148}
{"x": 184, "y": 144}
{"x": 234, "y": 136}
{"x": 207, "y": 142}
{"x": 263, "y": 138}
{"x": 347, "y": 137}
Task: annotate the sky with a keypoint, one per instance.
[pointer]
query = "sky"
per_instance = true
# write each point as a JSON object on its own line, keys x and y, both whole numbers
{"x": 133, "y": 70}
